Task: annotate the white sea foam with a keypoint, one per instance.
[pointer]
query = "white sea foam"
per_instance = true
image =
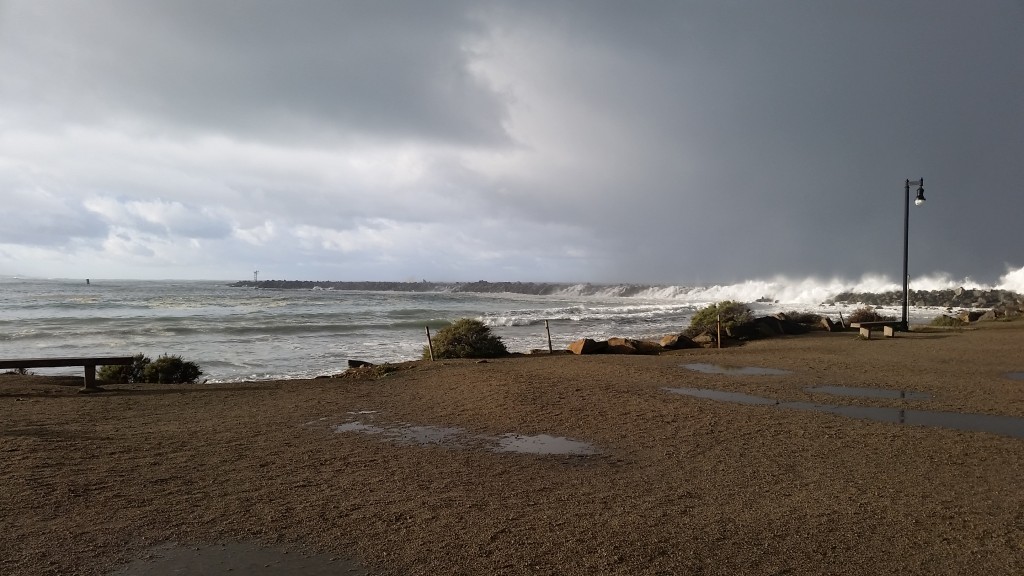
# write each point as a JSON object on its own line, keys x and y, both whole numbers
{"x": 811, "y": 291}
{"x": 1012, "y": 280}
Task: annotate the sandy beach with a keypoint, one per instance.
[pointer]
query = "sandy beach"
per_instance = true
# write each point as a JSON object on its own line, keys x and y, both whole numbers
{"x": 406, "y": 475}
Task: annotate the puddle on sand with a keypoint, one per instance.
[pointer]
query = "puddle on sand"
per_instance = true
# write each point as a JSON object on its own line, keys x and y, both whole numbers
{"x": 404, "y": 434}
{"x": 741, "y": 371}
{"x": 868, "y": 392}
{"x": 544, "y": 444}
{"x": 1015, "y": 375}
{"x": 1002, "y": 425}
{"x": 457, "y": 438}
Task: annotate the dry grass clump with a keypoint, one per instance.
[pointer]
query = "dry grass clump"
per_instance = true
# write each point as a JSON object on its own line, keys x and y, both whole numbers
{"x": 868, "y": 314}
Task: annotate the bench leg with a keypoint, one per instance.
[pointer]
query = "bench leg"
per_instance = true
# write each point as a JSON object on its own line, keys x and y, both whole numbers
{"x": 865, "y": 332}
{"x": 90, "y": 378}
{"x": 889, "y": 331}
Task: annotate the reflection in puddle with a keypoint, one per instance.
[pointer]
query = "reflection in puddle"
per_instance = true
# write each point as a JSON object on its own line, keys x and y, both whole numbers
{"x": 429, "y": 434}
{"x": 404, "y": 434}
{"x": 741, "y": 371}
{"x": 1015, "y": 375}
{"x": 543, "y": 444}
{"x": 457, "y": 438}
{"x": 1003, "y": 425}
{"x": 869, "y": 392}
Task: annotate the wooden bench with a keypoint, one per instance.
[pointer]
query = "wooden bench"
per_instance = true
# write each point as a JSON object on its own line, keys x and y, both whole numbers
{"x": 888, "y": 328}
{"x": 90, "y": 364}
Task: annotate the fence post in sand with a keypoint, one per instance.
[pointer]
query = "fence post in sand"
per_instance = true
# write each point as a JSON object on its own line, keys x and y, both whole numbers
{"x": 719, "y": 339}
{"x": 430, "y": 345}
{"x": 547, "y": 329}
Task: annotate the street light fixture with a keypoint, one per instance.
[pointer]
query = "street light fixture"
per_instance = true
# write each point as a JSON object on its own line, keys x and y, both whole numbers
{"x": 904, "y": 324}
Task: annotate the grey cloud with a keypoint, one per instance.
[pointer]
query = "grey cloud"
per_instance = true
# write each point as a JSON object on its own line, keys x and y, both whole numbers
{"x": 256, "y": 69}
{"x": 673, "y": 142}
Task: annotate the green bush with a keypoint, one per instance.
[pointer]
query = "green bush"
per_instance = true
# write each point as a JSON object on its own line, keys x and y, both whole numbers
{"x": 733, "y": 314}
{"x": 466, "y": 338}
{"x": 171, "y": 370}
{"x": 166, "y": 370}
{"x": 126, "y": 374}
{"x": 947, "y": 321}
{"x": 868, "y": 314}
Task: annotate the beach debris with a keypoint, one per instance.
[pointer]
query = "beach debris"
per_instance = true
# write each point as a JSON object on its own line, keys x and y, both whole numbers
{"x": 359, "y": 364}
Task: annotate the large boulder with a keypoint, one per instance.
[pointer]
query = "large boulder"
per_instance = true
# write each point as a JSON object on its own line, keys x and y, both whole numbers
{"x": 970, "y": 315}
{"x": 588, "y": 346}
{"x": 743, "y": 331}
{"x": 630, "y": 346}
{"x": 769, "y": 326}
{"x": 677, "y": 342}
{"x": 705, "y": 339}
{"x": 621, "y": 346}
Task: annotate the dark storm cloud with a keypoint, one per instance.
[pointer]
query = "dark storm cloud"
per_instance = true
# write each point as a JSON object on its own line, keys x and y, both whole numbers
{"x": 672, "y": 142}
{"x": 778, "y": 138}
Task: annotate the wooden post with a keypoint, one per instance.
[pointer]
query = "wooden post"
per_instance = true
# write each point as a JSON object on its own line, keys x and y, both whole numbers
{"x": 430, "y": 345}
{"x": 547, "y": 328}
{"x": 719, "y": 330}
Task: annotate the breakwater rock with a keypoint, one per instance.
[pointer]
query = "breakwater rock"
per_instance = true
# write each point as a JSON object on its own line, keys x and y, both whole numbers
{"x": 954, "y": 298}
{"x": 483, "y": 287}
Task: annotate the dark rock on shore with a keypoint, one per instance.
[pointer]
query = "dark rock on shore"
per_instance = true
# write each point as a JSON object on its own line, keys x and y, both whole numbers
{"x": 588, "y": 346}
{"x": 678, "y": 342}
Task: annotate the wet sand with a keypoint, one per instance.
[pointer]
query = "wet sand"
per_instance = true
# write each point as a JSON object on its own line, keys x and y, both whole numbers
{"x": 130, "y": 480}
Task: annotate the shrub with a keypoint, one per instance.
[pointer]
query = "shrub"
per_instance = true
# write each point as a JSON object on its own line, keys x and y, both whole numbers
{"x": 171, "y": 370}
{"x": 466, "y": 338}
{"x": 867, "y": 314}
{"x": 947, "y": 321}
{"x": 807, "y": 318}
{"x": 166, "y": 370}
{"x": 733, "y": 313}
{"x": 126, "y": 374}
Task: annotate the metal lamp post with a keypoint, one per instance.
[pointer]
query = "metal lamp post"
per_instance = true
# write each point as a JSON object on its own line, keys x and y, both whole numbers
{"x": 905, "y": 324}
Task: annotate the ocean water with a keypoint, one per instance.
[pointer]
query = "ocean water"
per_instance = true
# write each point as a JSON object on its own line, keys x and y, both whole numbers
{"x": 242, "y": 333}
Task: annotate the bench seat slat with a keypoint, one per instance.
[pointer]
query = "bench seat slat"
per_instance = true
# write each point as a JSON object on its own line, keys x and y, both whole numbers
{"x": 59, "y": 362}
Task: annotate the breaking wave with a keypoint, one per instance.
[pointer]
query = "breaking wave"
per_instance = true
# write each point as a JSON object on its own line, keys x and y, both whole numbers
{"x": 782, "y": 289}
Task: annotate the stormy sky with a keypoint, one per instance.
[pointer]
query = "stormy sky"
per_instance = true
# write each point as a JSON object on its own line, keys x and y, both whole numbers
{"x": 585, "y": 141}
